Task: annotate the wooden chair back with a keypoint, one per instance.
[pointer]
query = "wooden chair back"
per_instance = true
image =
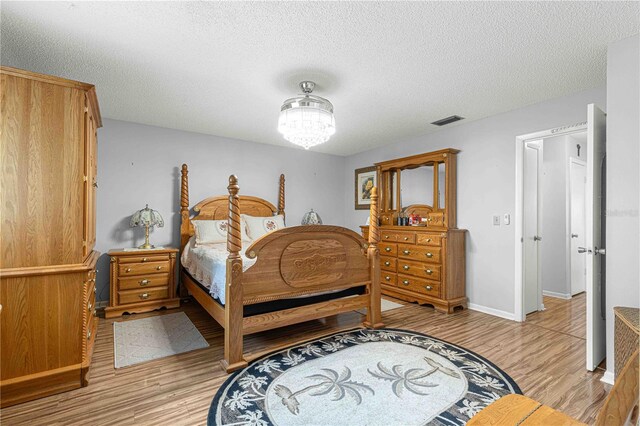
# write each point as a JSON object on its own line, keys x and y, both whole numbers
{"x": 622, "y": 403}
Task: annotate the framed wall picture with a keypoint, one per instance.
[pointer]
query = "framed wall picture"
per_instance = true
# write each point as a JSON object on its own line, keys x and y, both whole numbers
{"x": 366, "y": 178}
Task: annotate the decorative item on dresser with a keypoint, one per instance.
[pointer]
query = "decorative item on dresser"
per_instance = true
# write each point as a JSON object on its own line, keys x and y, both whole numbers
{"x": 48, "y": 129}
{"x": 424, "y": 263}
{"x": 148, "y": 218}
{"x": 286, "y": 276}
{"x": 142, "y": 281}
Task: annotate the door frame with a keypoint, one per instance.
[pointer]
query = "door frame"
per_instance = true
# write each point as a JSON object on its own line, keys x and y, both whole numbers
{"x": 568, "y": 208}
{"x": 521, "y": 140}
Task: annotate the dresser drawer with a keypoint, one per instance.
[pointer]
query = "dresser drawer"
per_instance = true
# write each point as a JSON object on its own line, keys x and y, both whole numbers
{"x": 143, "y": 268}
{"x": 134, "y": 283}
{"x": 388, "y": 263}
{"x": 398, "y": 236}
{"x": 388, "y": 278}
{"x": 137, "y": 296}
{"x": 429, "y": 240}
{"x": 419, "y": 285}
{"x": 419, "y": 253}
{"x": 388, "y": 249}
{"x": 144, "y": 259}
{"x": 419, "y": 269}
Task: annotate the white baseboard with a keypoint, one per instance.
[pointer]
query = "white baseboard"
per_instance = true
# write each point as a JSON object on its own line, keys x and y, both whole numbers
{"x": 491, "y": 311}
{"x": 556, "y": 295}
{"x": 608, "y": 377}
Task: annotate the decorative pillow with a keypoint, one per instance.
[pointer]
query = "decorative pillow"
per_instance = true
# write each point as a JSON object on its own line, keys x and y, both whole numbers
{"x": 259, "y": 226}
{"x": 215, "y": 231}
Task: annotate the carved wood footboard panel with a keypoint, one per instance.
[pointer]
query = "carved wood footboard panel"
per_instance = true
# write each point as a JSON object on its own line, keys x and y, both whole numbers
{"x": 305, "y": 259}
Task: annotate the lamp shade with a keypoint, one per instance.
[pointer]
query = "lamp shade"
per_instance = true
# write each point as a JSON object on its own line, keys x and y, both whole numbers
{"x": 311, "y": 218}
{"x": 146, "y": 217}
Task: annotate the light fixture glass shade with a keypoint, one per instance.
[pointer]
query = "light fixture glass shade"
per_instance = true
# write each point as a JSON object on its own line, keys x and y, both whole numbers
{"x": 146, "y": 217}
{"x": 311, "y": 218}
{"x": 307, "y": 120}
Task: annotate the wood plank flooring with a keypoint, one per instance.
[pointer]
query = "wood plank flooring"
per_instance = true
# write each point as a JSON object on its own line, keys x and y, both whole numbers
{"x": 563, "y": 316}
{"x": 547, "y": 364}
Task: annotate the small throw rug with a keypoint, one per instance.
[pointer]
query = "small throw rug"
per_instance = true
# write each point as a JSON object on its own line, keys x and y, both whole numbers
{"x": 141, "y": 340}
{"x": 362, "y": 377}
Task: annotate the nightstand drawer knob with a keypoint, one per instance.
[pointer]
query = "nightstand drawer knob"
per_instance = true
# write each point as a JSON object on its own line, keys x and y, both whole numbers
{"x": 387, "y": 263}
{"x": 405, "y": 267}
{"x": 406, "y": 238}
{"x": 144, "y": 282}
{"x": 428, "y": 240}
{"x": 128, "y": 270}
{"x": 386, "y": 237}
{"x": 405, "y": 282}
{"x": 144, "y": 259}
{"x": 144, "y": 296}
{"x": 428, "y": 287}
{"x": 406, "y": 252}
{"x": 388, "y": 278}
{"x": 158, "y": 267}
{"x": 429, "y": 271}
{"x": 429, "y": 255}
{"x": 387, "y": 249}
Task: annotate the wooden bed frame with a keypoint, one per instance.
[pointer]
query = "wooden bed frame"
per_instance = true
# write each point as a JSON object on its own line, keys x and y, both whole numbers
{"x": 290, "y": 262}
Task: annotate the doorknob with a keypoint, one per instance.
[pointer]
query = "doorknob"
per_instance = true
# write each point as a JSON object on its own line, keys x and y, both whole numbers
{"x": 598, "y": 251}
{"x": 574, "y": 235}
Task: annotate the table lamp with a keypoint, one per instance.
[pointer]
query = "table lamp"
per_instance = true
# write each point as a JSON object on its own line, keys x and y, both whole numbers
{"x": 146, "y": 217}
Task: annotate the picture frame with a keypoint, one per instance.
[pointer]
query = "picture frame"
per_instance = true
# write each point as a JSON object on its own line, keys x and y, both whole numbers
{"x": 365, "y": 179}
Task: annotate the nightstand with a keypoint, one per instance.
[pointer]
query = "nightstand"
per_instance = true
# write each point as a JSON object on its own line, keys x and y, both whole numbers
{"x": 142, "y": 280}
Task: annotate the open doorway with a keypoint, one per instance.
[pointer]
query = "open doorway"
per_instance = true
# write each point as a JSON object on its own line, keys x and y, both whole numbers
{"x": 533, "y": 192}
{"x": 554, "y": 221}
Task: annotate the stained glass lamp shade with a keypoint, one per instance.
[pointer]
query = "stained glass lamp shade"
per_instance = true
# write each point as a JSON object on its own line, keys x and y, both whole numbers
{"x": 148, "y": 218}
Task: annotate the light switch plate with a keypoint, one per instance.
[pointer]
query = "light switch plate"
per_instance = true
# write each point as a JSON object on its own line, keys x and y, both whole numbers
{"x": 507, "y": 218}
{"x": 496, "y": 220}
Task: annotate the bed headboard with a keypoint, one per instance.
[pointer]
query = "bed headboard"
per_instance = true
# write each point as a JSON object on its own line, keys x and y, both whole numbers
{"x": 217, "y": 208}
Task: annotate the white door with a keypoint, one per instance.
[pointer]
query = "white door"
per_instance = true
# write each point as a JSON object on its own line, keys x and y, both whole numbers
{"x": 531, "y": 226}
{"x": 577, "y": 187}
{"x": 593, "y": 250}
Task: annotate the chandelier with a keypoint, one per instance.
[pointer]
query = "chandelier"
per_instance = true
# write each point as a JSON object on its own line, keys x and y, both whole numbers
{"x": 307, "y": 120}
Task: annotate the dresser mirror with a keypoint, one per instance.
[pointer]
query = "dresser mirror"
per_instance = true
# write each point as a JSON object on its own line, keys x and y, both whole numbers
{"x": 416, "y": 186}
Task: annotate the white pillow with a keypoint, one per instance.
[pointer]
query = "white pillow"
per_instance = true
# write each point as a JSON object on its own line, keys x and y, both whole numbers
{"x": 215, "y": 231}
{"x": 259, "y": 226}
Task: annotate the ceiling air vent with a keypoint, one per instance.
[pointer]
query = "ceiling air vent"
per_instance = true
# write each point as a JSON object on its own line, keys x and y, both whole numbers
{"x": 448, "y": 120}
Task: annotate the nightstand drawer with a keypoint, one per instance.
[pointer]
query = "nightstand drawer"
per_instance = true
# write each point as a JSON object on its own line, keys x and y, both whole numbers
{"x": 130, "y": 269}
{"x": 137, "y": 296}
{"x": 144, "y": 259}
{"x": 135, "y": 283}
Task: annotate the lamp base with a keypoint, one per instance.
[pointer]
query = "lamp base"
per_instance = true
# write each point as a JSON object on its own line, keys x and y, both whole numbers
{"x": 146, "y": 246}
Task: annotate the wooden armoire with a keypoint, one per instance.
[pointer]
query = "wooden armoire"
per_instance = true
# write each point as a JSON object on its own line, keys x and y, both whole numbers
{"x": 48, "y": 186}
{"x": 423, "y": 263}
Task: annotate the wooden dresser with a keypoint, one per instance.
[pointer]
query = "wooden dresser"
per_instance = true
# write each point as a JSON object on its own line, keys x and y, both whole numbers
{"x": 142, "y": 280}
{"x": 426, "y": 263}
{"x": 48, "y": 148}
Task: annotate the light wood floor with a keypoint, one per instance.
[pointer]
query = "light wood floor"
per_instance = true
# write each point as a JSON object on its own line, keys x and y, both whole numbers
{"x": 563, "y": 316}
{"x": 547, "y": 364}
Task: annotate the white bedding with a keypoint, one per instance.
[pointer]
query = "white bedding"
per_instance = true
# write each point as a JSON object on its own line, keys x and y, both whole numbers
{"x": 208, "y": 265}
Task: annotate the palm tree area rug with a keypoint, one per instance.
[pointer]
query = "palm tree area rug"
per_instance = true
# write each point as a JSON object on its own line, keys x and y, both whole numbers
{"x": 362, "y": 377}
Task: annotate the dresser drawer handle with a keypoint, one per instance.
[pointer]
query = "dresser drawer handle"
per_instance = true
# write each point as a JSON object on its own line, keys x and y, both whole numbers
{"x": 388, "y": 278}
{"x": 405, "y": 267}
{"x": 429, "y": 255}
{"x": 429, "y": 271}
{"x": 144, "y": 259}
{"x": 88, "y": 334}
{"x": 386, "y": 237}
{"x": 406, "y": 238}
{"x": 406, "y": 251}
{"x": 428, "y": 240}
{"x": 144, "y": 296}
{"x": 387, "y": 263}
{"x": 158, "y": 267}
{"x": 428, "y": 287}
{"x": 144, "y": 282}
{"x": 128, "y": 270}
{"x": 405, "y": 282}
{"x": 387, "y": 249}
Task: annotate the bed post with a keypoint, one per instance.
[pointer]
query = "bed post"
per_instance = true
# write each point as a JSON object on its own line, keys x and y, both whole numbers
{"x": 374, "y": 317}
{"x": 281, "y": 196}
{"x": 184, "y": 207}
{"x": 233, "y": 307}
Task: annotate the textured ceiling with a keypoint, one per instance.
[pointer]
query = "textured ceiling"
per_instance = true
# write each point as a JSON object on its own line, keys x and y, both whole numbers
{"x": 389, "y": 68}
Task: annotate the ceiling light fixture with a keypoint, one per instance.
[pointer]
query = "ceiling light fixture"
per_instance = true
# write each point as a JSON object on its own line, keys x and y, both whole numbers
{"x": 307, "y": 120}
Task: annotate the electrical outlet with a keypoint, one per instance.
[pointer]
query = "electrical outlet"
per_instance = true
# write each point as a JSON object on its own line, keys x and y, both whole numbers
{"x": 507, "y": 218}
{"x": 496, "y": 220}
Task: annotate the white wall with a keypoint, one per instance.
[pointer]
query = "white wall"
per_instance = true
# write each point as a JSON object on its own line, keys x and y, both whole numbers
{"x": 623, "y": 181}
{"x": 140, "y": 164}
{"x": 486, "y": 185}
